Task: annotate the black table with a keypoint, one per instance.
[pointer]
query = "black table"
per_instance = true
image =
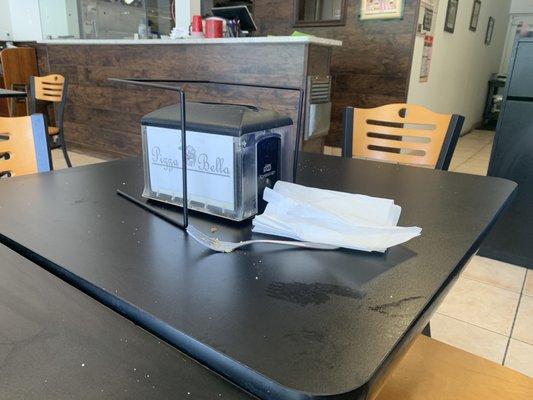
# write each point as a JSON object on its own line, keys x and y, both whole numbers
{"x": 58, "y": 343}
{"x": 4, "y": 93}
{"x": 282, "y": 323}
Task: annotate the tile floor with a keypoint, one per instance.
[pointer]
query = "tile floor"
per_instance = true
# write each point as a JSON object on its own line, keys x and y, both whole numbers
{"x": 77, "y": 157}
{"x": 489, "y": 311}
{"x": 472, "y": 153}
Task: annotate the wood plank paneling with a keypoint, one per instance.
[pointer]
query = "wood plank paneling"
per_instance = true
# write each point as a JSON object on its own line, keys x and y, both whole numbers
{"x": 42, "y": 58}
{"x": 93, "y": 109}
{"x": 319, "y": 60}
{"x": 373, "y": 65}
{"x": 105, "y": 116}
{"x": 110, "y": 140}
{"x": 260, "y": 64}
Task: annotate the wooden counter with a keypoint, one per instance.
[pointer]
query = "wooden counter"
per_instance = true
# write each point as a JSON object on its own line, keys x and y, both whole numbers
{"x": 105, "y": 116}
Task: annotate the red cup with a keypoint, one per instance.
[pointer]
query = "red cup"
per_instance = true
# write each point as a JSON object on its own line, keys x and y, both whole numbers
{"x": 213, "y": 28}
{"x": 196, "y": 25}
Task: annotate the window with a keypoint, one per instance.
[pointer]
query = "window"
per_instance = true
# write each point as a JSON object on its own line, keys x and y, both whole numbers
{"x": 319, "y": 12}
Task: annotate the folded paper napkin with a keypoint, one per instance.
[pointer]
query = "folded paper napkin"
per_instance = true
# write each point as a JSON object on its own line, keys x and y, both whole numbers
{"x": 179, "y": 33}
{"x": 341, "y": 219}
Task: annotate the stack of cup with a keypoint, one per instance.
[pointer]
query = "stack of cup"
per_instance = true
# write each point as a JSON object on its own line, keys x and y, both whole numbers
{"x": 197, "y": 29}
{"x": 214, "y": 27}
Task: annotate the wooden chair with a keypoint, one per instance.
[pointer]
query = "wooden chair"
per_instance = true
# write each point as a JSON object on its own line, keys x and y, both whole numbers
{"x": 23, "y": 146}
{"x": 51, "y": 90}
{"x": 432, "y": 370}
{"x": 18, "y": 64}
{"x": 4, "y": 107}
{"x": 401, "y": 133}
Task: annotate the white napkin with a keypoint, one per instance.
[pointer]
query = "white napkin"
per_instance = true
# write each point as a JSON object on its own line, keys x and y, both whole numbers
{"x": 341, "y": 219}
{"x": 179, "y": 33}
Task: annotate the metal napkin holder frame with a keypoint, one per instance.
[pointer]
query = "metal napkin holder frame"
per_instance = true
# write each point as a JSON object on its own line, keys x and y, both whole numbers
{"x": 156, "y": 84}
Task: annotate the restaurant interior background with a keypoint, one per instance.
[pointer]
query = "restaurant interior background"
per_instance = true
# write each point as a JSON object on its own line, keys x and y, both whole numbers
{"x": 405, "y": 60}
{"x": 379, "y": 63}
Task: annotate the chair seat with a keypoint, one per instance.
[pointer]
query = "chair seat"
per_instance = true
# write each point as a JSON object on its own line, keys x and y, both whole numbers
{"x": 432, "y": 370}
{"x": 52, "y": 130}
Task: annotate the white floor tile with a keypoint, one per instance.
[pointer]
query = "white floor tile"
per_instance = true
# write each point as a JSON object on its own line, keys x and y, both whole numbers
{"x": 496, "y": 273}
{"x": 520, "y": 357}
{"x": 523, "y": 326}
{"x": 76, "y": 158}
{"x": 467, "y": 337}
{"x": 480, "y": 304}
{"x": 528, "y": 286}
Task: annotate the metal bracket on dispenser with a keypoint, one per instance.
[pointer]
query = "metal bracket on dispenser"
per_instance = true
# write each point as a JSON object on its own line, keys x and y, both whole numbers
{"x": 154, "y": 210}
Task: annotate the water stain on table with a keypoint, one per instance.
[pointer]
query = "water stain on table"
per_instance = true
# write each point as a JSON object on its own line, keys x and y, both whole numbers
{"x": 310, "y": 293}
{"x": 385, "y": 308}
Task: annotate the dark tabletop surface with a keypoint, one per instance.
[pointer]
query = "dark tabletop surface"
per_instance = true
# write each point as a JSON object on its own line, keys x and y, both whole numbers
{"x": 58, "y": 343}
{"x": 11, "y": 93}
{"x": 278, "y": 321}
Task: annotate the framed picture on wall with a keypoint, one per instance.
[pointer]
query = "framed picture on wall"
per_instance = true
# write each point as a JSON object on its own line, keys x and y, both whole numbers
{"x": 426, "y": 17}
{"x": 381, "y": 9}
{"x": 451, "y": 15}
{"x": 476, "y": 8}
{"x": 490, "y": 29}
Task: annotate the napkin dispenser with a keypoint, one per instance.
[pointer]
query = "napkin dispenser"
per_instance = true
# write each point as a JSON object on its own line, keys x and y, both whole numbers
{"x": 233, "y": 153}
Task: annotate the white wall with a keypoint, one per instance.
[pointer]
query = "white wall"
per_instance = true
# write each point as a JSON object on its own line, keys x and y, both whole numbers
{"x": 73, "y": 22}
{"x": 36, "y": 19}
{"x": 53, "y": 18}
{"x": 521, "y": 6}
{"x": 185, "y": 9}
{"x": 25, "y": 21}
{"x": 59, "y": 18}
{"x": 461, "y": 63}
{"x": 5, "y": 21}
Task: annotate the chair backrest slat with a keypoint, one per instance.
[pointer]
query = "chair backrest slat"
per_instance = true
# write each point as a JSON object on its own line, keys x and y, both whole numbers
{"x": 23, "y": 146}
{"x": 48, "y": 88}
{"x": 401, "y": 133}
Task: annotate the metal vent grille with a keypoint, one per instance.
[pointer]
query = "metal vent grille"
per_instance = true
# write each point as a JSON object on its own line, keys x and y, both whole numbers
{"x": 320, "y": 89}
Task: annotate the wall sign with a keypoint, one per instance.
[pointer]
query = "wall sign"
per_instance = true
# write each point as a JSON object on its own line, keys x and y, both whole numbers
{"x": 427, "y": 15}
{"x": 451, "y": 15}
{"x": 490, "y": 29}
{"x": 426, "y": 58}
{"x": 381, "y": 9}
{"x": 210, "y": 166}
{"x": 476, "y": 8}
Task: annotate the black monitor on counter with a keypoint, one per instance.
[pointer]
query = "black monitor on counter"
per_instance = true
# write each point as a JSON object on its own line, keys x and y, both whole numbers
{"x": 240, "y": 13}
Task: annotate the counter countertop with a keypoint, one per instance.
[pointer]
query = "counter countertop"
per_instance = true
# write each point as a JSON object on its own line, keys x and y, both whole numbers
{"x": 243, "y": 40}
